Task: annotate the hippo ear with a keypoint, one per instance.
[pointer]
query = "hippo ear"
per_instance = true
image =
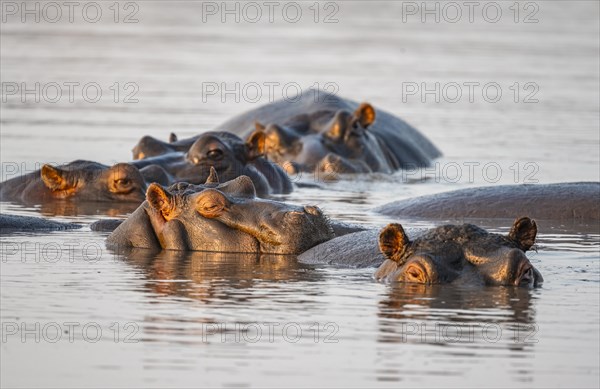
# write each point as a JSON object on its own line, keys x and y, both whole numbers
{"x": 336, "y": 128}
{"x": 55, "y": 179}
{"x": 158, "y": 198}
{"x": 523, "y": 232}
{"x": 213, "y": 177}
{"x": 393, "y": 242}
{"x": 172, "y": 138}
{"x": 365, "y": 114}
{"x": 258, "y": 126}
{"x": 211, "y": 203}
{"x": 241, "y": 186}
{"x": 256, "y": 144}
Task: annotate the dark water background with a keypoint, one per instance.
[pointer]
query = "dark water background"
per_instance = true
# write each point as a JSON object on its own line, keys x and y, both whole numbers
{"x": 193, "y": 319}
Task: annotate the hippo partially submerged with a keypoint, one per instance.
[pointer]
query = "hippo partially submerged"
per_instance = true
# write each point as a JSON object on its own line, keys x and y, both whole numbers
{"x": 575, "y": 201}
{"x": 78, "y": 180}
{"x": 220, "y": 217}
{"x": 190, "y": 160}
{"x": 460, "y": 254}
{"x": 18, "y": 223}
{"x": 323, "y": 132}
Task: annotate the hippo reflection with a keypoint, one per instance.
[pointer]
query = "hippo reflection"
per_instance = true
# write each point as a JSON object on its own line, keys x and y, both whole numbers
{"x": 323, "y": 132}
{"x": 79, "y": 181}
{"x": 464, "y": 254}
{"x": 209, "y": 276}
{"x": 190, "y": 160}
{"x": 220, "y": 217}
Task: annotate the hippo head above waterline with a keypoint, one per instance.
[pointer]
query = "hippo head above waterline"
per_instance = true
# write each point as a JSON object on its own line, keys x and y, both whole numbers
{"x": 221, "y": 217}
{"x": 227, "y": 153}
{"x": 77, "y": 181}
{"x": 461, "y": 254}
{"x": 341, "y": 143}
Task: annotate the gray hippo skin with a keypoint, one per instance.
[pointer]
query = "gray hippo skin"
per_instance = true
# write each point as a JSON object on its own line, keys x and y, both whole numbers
{"x": 149, "y": 146}
{"x": 16, "y": 223}
{"x": 220, "y": 217}
{"x": 192, "y": 160}
{"x": 565, "y": 201}
{"x": 81, "y": 181}
{"x": 323, "y": 132}
{"x": 458, "y": 254}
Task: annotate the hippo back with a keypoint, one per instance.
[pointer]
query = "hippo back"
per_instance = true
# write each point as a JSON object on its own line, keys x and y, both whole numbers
{"x": 577, "y": 201}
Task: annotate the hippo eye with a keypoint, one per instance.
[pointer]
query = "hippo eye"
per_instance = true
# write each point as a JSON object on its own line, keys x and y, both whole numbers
{"x": 123, "y": 182}
{"x": 215, "y": 154}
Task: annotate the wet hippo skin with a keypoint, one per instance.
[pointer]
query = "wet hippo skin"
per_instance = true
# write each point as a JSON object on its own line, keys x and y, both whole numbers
{"x": 459, "y": 254}
{"x": 564, "y": 201}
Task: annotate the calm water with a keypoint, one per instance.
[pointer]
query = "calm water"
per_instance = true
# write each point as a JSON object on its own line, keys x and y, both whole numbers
{"x": 230, "y": 320}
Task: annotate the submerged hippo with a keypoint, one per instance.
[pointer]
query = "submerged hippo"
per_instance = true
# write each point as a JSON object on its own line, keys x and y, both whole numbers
{"x": 79, "y": 180}
{"x": 577, "y": 201}
{"x": 225, "y": 152}
{"x": 460, "y": 254}
{"x": 319, "y": 131}
{"x": 18, "y": 223}
{"x": 220, "y": 217}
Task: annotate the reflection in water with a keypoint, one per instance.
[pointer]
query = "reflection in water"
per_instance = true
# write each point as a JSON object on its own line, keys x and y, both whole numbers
{"x": 72, "y": 208}
{"x": 471, "y": 324}
{"x": 210, "y": 276}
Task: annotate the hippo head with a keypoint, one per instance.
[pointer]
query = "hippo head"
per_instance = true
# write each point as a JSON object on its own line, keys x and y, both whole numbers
{"x": 228, "y": 211}
{"x": 501, "y": 260}
{"x": 90, "y": 181}
{"x": 459, "y": 253}
{"x": 342, "y": 144}
{"x": 225, "y": 152}
{"x": 149, "y": 146}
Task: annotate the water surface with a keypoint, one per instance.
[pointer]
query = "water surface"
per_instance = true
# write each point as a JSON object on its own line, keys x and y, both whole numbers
{"x": 192, "y": 319}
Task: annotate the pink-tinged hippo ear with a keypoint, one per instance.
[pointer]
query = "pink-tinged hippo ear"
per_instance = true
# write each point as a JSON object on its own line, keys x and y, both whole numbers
{"x": 172, "y": 137}
{"x": 159, "y": 199}
{"x": 393, "y": 242}
{"x": 256, "y": 143}
{"x": 365, "y": 114}
{"x": 213, "y": 177}
{"x": 523, "y": 232}
{"x": 55, "y": 179}
{"x": 337, "y": 125}
{"x": 211, "y": 203}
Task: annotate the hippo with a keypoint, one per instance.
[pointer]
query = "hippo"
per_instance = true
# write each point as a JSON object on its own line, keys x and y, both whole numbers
{"x": 149, "y": 146}
{"x": 18, "y": 223}
{"x": 319, "y": 131}
{"x": 220, "y": 217}
{"x": 227, "y": 153}
{"x": 573, "y": 201}
{"x": 457, "y": 254}
{"x": 78, "y": 180}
